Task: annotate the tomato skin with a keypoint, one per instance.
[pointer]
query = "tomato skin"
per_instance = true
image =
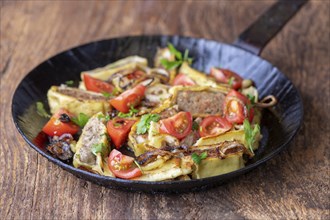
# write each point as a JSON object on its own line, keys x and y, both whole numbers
{"x": 131, "y": 97}
{"x": 55, "y": 127}
{"x": 236, "y": 107}
{"x": 224, "y": 75}
{"x": 96, "y": 85}
{"x": 214, "y": 125}
{"x": 179, "y": 125}
{"x": 118, "y": 130}
{"x": 121, "y": 165}
{"x": 183, "y": 80}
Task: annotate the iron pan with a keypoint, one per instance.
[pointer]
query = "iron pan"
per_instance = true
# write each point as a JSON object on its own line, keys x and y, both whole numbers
{"x": 279, "y": 125}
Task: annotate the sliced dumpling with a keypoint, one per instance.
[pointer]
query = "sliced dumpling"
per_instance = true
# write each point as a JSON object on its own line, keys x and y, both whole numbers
{"x": 76, "y": 101}
{"x": 93, "y": 146}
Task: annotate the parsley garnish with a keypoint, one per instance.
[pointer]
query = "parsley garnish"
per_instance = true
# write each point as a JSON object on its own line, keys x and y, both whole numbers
{"x": 144, "y": 124}
{"x": 105, "y": 117}
{"x": 110, "y": 94}
{"x": 251, "y": 98}
{"x": 131, "y": 113}
{"x": 106, "y": 94}
{"x": 69, "y": 82}
{"x": 41, "y": 110}
{"x": 231, "y": 81}
{"x": 250, "y": 134}
{"x": 98, "y": 148}
{"x": 198, "y": 158}
{"x": 195, "y": 126}
{"x": 81, "y": 120}
{"x": 179, "y": 59}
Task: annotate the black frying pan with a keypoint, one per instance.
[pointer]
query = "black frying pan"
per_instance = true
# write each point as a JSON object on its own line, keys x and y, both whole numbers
{"x": 278, "y": 125}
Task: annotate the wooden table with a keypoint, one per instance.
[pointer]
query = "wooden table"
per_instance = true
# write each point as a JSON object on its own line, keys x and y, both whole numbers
{"x": 293, "y": 185}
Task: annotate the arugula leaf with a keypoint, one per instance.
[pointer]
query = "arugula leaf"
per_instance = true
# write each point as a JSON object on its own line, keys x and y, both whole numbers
{"x": 179, "y": 59}
{"x": 198, "y": 158}
{"x": 98, "y": 148}
{"x": 131, "y": 113}
{"x": 69, "y": 82}
{"x": 41, "y": 110}
{"x": 144, "y": 124}
{"x": 81, "y": 120}
{"x": 250, "y": 134}
{"x": 195, "y": 126}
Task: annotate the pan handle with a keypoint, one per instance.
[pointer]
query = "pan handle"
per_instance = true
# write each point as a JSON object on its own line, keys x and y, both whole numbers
{"x": 257, "y": 35}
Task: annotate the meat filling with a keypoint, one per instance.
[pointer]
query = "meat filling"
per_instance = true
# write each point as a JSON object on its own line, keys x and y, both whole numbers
{"x": 80, "y": 94}
{"x": 92, "y": 136}
{"x": 203, "y": 102}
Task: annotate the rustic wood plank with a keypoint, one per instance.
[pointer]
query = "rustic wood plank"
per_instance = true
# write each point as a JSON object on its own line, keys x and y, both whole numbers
{"x": 293, "y": 185}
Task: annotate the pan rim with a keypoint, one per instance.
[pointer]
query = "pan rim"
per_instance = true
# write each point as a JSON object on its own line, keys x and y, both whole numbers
{"x": 80, "y": 172}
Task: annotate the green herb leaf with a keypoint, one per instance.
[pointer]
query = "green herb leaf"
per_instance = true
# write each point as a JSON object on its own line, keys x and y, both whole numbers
{"x": 174, "y": 51}
{"x": 81, "y": 120}
{"x": 169, "y": 65}
{"x": 97, "y": 148}
{"x": 195, "y": 126}
{"x": 250, "y": 134}
{"x": 130, "y": 114}
{"x": 186, "y": 58}
{"x": 198, "y": 158}
{"x": 41, "y": 110}
{"x": 179, "y": 59}
{"x": 105, "y": 117}
{"x": 144, "y": 124}
{"x": 231, "y": 81}
{"x": 69, "y": 82}
{"x": 203, "y": 155}
{"x": 106, "y": 94}
{"x": 251, "y": 98}
{"x": 115, "y": 92}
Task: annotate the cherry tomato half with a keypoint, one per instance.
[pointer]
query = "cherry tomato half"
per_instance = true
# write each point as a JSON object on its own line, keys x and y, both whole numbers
{"x": 236, "y": 107}
{"x": 96, "y": 85}
{"x": 179, "y": 125}
{"x": 183, "y": 80}
{"x": 225, "y": 76}
{"x": 131, "y": 97}
{"x": 118, "y": 130}
{"x": 122, "y": 166}
{"x": 56, "y": 126}
{"x": 214, "y": 125}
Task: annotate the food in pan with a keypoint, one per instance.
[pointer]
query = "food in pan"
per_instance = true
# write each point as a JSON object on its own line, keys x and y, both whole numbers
{"x": 177, "y": 122}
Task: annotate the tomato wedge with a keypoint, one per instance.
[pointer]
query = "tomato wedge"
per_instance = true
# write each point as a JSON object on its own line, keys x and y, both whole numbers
{"x": 96, "y": 85}
{"x": 183, "y": 80}
{"x": 60, "y": 124}
{"x": 227, "y": 76}
{"x": 131, "y": 97}
{"x": 236, "y": 107}
{"x": 179, "y": 125}
{"x": 122, "y": 166}
{"x": 118, "y": 130}
{"x": 214, "y": 125}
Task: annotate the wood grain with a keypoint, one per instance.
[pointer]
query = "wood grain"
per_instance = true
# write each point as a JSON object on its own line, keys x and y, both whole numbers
{"x": 293, "y": 185}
